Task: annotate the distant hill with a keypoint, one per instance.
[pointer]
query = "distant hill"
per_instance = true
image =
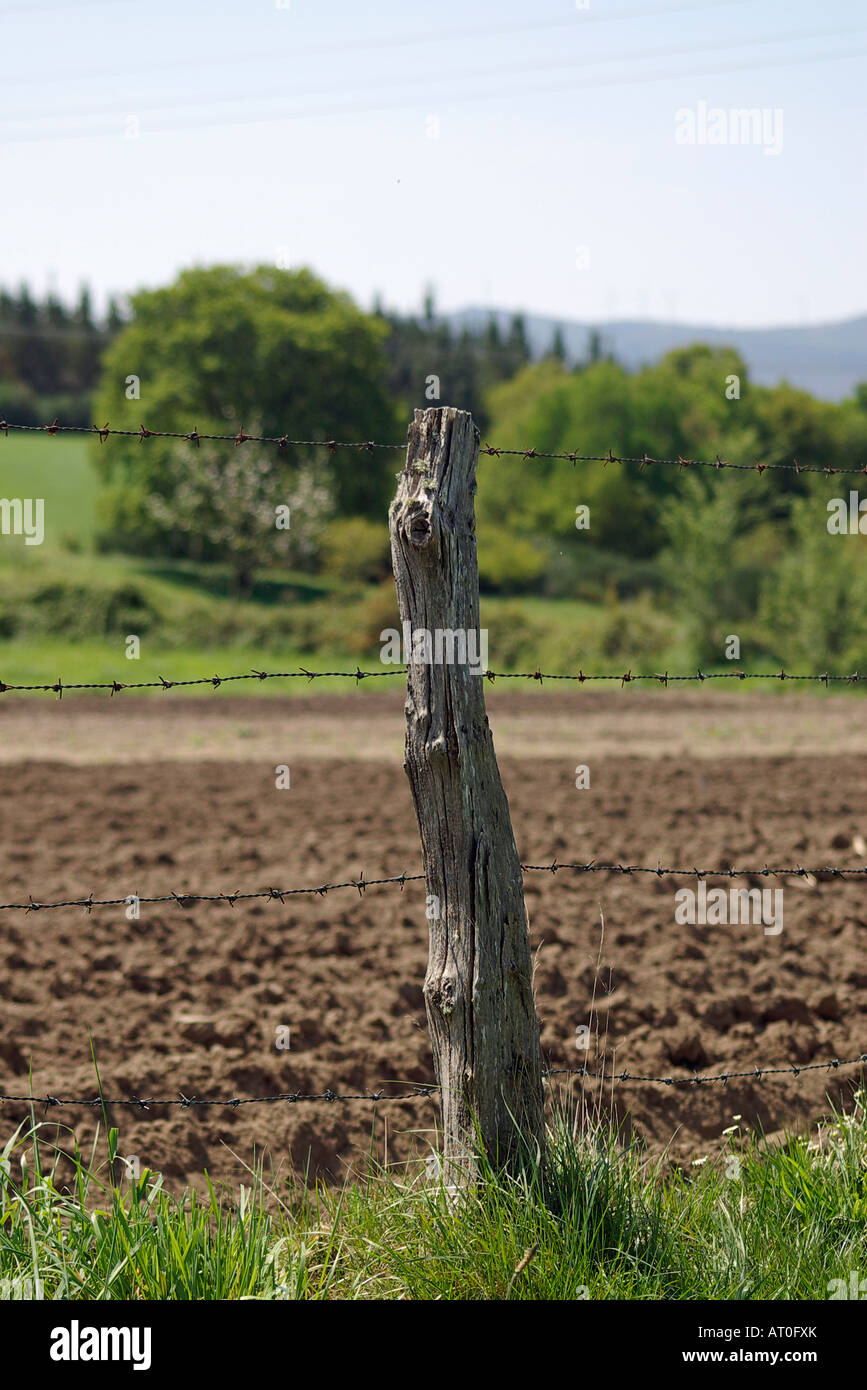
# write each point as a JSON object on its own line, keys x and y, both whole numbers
{"x": 827, "y": 359}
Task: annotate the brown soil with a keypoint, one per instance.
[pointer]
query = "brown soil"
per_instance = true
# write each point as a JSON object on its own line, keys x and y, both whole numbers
{"x": 188, "y": 1001}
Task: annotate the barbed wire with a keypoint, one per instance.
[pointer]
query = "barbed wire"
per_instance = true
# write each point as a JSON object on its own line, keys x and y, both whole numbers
{"x": 646, "y": 460}
{"x": 663, "y": 678}
{"x": 757, "y": 1074}
{"x": 194, "y": 437}
{"x": 422, "y": 1090}
{"x": 361, "y": 884}
{"x": 664, "y": 872}
{"x": 643, "y": 461}
{"x": 115, "y": 687}
{"x": 234, "y": 1103}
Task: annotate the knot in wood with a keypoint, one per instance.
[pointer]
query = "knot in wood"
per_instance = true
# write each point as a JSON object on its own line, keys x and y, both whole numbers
{"x": 441, "y": 994}
{"x": 418, "y": 522}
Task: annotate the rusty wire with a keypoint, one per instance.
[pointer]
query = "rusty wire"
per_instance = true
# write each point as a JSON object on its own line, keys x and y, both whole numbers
{"x": 646, "y": 460}
{"x": 115, "y": 687}
{"x": 425, "y": 1089}
{"x": 194, "y": 437}
{"x": 361, "y": 884}
{"x": 663, "y": 678}
{"x": 757, "y": 1074}
{"x": 643, "y": 461}
{"x": 189, "y": 1102}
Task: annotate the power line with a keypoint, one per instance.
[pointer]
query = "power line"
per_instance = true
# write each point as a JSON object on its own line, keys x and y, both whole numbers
{"x": 460, "y": 97}
{"x": 26, "y": 7}
{"x": 521, "y": 69}
{"x": 390, "y": 41}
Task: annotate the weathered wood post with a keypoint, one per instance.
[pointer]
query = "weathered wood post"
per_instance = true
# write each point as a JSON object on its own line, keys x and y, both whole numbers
{"x": 478, "y": 989}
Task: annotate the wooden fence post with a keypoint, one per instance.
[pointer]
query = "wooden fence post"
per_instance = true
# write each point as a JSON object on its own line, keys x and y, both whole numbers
{"x": 478, "y": 989}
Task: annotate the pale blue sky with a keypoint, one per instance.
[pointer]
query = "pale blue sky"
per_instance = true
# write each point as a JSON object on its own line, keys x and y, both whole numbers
{"x": 302, "y": 132}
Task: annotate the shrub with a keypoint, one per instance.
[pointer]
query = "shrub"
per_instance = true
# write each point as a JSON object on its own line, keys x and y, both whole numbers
{"x": 814, "y": 604}
{"x": 370, "y": 617}
{"x": 80, "y": 611}
{"x": 355, "y": 549}
{"x": 508, "y": 564}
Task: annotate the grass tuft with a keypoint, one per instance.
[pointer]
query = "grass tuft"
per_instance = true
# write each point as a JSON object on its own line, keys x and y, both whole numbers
{"x": 760, "y": 1221}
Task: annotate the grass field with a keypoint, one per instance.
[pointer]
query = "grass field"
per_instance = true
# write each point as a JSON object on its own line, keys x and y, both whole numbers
{"x": 66, "y": 609}
{"x": 57, "y": 469}
{"x": 765, "y": 1222}
{"x": 745, "y": 1218}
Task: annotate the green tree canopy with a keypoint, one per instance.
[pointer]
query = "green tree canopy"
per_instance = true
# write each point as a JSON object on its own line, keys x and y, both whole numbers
{"x": 696, "y": 402}
{"x": 222, "y": 347}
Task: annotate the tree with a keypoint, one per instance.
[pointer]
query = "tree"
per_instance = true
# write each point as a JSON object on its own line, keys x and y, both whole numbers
{"x": 219, "y": 348}
{"x": 702, "y": 526}
{"x": 558, "y": 346}
{"x": 49, "y": 357}
{"x": 467, "y": 364}
{"x": 517, "y": 339}
{"x": 114, "y": 315}
{"x": 236, "y": 501}
{"x": 814, "y": 603}
{"x": 84, "y": 313}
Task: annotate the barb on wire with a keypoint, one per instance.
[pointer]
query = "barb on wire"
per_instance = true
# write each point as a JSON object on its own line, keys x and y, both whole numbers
{"x": 420, "y": 1091}
{"x": 194, "y": 437}
{"x": 186, "y": 899}
{"x": 665, "y": 678}
{"x": 643, "y": 461}
{"x": 233, "y": 1103}
{"x": 757, "y": 1074}
{"x": 662, "y": 678}
{"x": 115, "y": 687}
{"x": 593, "y": 867}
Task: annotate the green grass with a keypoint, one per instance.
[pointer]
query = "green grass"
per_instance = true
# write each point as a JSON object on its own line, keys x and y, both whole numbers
{"x": 57, "y": 469}
{"x": 66, "y": 610}
{"x": 42, "y": 662}
{"x": 761, "y": 1222}
{"x": 66, "y": 614}
{"x": 69, "y": 614}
